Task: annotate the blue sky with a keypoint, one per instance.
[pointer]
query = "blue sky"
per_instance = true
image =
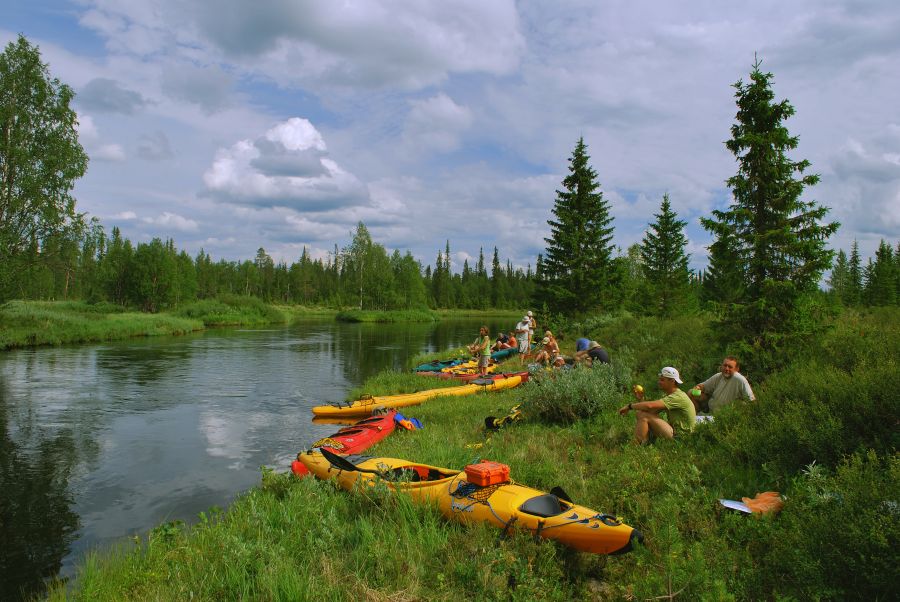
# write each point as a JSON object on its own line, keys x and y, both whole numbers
{"x": 280, "y": 124}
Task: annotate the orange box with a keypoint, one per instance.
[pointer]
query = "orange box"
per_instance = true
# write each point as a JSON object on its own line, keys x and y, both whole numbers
{"x": 487, "y": 473}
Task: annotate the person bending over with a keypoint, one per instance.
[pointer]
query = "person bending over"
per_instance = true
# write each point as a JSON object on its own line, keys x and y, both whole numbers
{"x": 591, "y": 353}
{"x": 680, "y": 415}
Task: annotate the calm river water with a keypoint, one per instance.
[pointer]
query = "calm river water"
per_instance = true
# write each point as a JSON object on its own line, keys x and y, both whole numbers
{"x": 100, "y": 442}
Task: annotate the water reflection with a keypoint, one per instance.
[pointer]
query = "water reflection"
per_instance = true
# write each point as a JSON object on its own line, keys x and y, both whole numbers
{"x": 99, "y": 442}
{"x": 37, "y": 522}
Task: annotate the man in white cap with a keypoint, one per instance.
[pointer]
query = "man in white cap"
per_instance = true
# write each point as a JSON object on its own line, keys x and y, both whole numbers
{"x": 522, "y": 334}
{"x": 680, "y": 413}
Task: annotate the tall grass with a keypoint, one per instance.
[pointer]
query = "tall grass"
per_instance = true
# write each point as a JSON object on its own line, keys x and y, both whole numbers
{"x": 233, "y": 310}
{"x": 28, "y": 323}
{"x": 400, "y": 315}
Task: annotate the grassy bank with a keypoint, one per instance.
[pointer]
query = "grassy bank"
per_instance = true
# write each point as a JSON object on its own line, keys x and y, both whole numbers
{"x": 32, "y": 323}
{"x": 823, "y": 433}
{"x": 405, "y": 315}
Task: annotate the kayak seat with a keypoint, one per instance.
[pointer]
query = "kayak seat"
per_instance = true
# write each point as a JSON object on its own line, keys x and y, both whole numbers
{"x": 543, "y": 505}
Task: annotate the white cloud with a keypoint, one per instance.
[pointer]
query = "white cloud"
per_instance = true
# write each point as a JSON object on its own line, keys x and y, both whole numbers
{"x": 172, "y": 221}
{"x": 107, "y": 152}
{"x": 436, "y": 123}
{"x": 286, "y": 167}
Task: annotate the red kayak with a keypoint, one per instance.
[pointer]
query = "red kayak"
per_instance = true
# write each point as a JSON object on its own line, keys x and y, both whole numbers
{"x": 352, "y": 439}
{"x": 471, "y": 377}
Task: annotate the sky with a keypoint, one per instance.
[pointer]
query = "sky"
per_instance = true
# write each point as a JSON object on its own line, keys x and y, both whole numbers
{"x": 282, "y": 124}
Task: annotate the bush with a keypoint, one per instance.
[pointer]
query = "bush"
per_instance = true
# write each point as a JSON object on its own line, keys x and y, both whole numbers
{"x": 837, "y": 536}
{"x": 565, "y": 396}
{"x": 232, "y": 310}
{"x": 816, "y": 412}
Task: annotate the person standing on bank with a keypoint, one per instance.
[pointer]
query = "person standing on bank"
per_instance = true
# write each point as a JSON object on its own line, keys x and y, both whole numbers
{"x": 532, "y": 326}
{"x": 482, "y": 348}
{"x": 724, "y": 387}
{"x": 680, "y": 413}
{"x": 522, "y": 336}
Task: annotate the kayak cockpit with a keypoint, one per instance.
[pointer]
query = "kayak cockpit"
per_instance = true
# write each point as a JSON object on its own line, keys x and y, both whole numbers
{"x": 544, "y": 506}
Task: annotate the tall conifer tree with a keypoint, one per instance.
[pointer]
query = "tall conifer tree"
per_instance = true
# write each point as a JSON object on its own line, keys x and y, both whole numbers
{"x": 779, "y": 238}
{"x": 665, "y": 263}
{"x": 576, "y": 269}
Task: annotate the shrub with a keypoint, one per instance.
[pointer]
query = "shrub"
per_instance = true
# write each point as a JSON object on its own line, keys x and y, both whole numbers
{"x": 837, "y": 536}
{"x": 569, "y": 395}
{"x": 815, "y": 412}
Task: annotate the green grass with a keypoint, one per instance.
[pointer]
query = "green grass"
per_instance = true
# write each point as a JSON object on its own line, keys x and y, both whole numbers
{"x": 836, "y": 537}
{"x": 404, "y": 315}
{"x": 29, "y": 323}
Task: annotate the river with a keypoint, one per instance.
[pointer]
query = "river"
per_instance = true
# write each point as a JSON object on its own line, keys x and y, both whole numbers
{"x": 105, "y": 441}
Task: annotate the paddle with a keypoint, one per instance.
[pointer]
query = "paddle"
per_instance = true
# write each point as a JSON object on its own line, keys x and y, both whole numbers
{"x": 342, "y": 463}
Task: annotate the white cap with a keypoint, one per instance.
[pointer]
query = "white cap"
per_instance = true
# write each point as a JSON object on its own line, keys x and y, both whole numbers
{"x": 670, "y": 372}
{"x": 529, "y": 313}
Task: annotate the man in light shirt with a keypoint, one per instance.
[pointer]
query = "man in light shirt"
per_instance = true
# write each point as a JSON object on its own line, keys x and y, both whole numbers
{"x": 724, "y": 387}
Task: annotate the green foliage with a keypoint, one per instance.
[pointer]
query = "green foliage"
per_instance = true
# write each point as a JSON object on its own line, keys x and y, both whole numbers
{"x": 47, "y": 323}
{"x": 665, "y": 264}
{"x": 40, "y": 160}
{"x": 771, "y": 237}
{"x": 577, "y": 269}
{"x": 836, "y": 538}
{"x": 840, "y": 399}
{"x": 564, "y": 396}
{"x": 410, "y": 315}
{"x": 232, "y": 310}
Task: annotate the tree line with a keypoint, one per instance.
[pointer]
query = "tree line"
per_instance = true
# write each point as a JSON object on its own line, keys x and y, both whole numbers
{"x": 768, "y": 254}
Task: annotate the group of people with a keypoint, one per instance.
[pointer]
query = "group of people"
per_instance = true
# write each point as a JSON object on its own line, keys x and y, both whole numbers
{"x": 720, "y": 389}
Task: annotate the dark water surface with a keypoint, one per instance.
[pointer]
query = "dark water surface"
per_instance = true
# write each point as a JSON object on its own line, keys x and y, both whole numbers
{"x": 100, "y": 442}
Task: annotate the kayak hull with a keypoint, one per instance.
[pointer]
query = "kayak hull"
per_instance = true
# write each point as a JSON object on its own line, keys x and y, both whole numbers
{"x": 353, "y": 439}
{"x": 364, "y": 407}
{"x": 506, "y": 505}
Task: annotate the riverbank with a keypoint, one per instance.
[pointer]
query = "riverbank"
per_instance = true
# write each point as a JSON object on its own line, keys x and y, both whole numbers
{"x": 34, "y": 323}
{"x": 296, "y": 539}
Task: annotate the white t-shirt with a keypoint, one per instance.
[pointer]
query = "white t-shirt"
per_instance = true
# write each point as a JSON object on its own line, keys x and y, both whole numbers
{"x": 723, "y": 391}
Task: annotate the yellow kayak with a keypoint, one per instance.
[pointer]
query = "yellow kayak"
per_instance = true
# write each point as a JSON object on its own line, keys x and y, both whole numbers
{"x": 364, "y": 406}
{"x": 503, "y": 504}
{"x": 470, "y": 367}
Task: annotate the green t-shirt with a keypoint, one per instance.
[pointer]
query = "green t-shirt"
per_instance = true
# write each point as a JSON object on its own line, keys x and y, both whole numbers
{"x": 680, "y": 412}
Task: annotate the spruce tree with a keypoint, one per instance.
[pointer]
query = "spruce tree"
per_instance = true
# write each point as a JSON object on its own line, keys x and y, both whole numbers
{"x": 854, "y": 276}
{"x": 840, "y": 277}
{"x": 779, "y": 238}
{"x": 665, "y": 263}
{"x": 881, "y": 280}
{"x": 576, "y": 270}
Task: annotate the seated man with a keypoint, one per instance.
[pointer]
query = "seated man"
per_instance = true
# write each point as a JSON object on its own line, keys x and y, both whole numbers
{"x": 680, "y": 414}
{"x": 548, "y": 353}
{"x": 511, "y": 342}
{"x": 501, "y": 343}
{"x": 591, "y": 353}
{"x": 723, "y": 387}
